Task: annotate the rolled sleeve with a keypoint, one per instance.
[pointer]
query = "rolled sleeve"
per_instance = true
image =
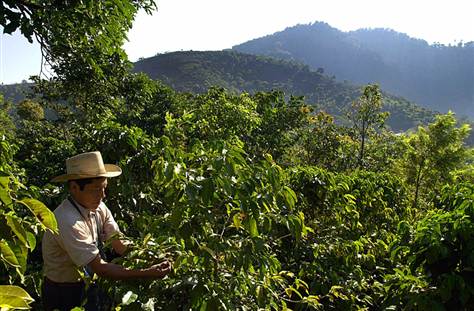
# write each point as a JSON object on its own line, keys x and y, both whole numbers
{"x": 110, "y": 227}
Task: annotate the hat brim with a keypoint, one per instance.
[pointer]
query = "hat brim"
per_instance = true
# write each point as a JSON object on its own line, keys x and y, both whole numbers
{"x": 111, "y": 171}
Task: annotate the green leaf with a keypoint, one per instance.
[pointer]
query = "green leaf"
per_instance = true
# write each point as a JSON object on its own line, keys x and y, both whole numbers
{"x": 7, "y": 254}
{"x": 253, "y": 227}
{"x": 268, "y": 157}
{"x": 21, "y": 254}
{"x": 14, "y": 297}
{"x": 295, "y": 226}
{"x": 350, "y": 198}
{"x": 31, "y": 240}
{"x": 42, "y": 213}
{"x": 17, "y": 228}
{"x": 146, "y": 239}
{"x": 290, "y": 197}
{"x": 4, "y": 181}
{"x": 236, "y": 220}
{"x": 5, "y": 197}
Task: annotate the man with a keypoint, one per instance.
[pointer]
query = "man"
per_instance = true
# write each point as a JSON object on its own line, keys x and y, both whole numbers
{"x": 84, "y": 222}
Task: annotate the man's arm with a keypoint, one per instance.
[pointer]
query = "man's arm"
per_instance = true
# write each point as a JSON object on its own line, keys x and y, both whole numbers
{"x": 119, "y": 246}
{"x": 117, "y": 272}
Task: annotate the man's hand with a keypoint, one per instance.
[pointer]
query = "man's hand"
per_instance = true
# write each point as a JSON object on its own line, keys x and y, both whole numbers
{"x": 120, "y": 246}
{"x": 160, "y": 270}
{"x": 116, "y": 272}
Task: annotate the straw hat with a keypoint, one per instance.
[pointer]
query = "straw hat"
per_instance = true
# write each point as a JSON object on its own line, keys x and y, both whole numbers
{"x": 88, "y": 165}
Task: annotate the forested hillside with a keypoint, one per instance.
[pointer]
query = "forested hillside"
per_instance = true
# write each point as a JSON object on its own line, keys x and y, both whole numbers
{"x": 15, "y": 92}
{"x": 436, "y": 76}
{"x": 196, "y": 71}
{"x": 259, "y": 201}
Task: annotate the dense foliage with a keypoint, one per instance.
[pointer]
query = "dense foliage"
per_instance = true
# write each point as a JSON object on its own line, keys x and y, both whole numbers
{"x": 197, "y": 71}
{"x": 259, "y": 202}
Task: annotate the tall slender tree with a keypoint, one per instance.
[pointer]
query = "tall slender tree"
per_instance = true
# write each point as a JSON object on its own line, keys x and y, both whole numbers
{"x": 367, "y": 117}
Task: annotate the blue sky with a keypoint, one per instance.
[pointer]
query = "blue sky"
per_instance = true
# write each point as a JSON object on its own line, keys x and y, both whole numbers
{"x": 220, "y": 24}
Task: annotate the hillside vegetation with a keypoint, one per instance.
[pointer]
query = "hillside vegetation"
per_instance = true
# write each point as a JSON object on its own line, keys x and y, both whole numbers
{"x": 195, "y": 72}
{"x": 436, "y": 76}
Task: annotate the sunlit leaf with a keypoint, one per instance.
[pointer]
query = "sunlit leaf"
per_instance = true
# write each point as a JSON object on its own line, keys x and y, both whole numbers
{"x": 31, "y": 240}
{"x": 17, "y": 229}
{"x": 7, "y": 254}
{"x": 5, "y": 197}
{"x": 14, "y": 297}
{"x": 290, "y": 197}
{"x": 253, "y": 227}
{"x": 42, "y": 213}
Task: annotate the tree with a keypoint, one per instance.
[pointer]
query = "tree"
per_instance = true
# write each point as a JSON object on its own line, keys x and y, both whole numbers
{"x": 280, "y": 121}
{"x": 73, "y": 29}
{"x": 325, "y": 143}
{"x": 434, "y": 151}
{"x": 81, "y": 40}
{"x": 30, "y": 110}
{"x": 367, "y": 117}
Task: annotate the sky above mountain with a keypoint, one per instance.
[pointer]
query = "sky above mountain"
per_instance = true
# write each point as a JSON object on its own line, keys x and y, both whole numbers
{"x": 216, "y": 24}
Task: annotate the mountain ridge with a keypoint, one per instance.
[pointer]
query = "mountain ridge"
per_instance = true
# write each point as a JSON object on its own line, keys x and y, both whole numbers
{"x": 436, "y": 76}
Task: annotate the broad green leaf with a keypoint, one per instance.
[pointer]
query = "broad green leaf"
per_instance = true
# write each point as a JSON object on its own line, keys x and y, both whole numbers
{"x": 31, "y": 240}
{"x": 4, "y": 181}
{"x": 295, "y": 225}
{"x": 21, "y": 254}
{"x": 253, "y": 227}
{"x": 169, "y": 172}
{"x": 7, "y": 254}
{"x": 14, "y": 297}
{"x": 17, "y": 228}
{"x": 290, "y": 197}
{"x": 42, "y": 213}
{"x": 290, "y": 290}
{"x": 5, "y": 197}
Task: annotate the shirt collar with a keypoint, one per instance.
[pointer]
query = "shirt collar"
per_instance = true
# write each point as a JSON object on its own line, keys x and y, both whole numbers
{"x": 84, "y": 211}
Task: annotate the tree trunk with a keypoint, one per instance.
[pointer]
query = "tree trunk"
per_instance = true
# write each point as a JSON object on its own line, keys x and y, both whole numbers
{"x": 362, "y": 144}
{"x": 417, "y": 184}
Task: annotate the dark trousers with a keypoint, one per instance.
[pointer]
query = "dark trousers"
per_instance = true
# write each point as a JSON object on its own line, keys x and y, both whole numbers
{"x": 65, "y": 296}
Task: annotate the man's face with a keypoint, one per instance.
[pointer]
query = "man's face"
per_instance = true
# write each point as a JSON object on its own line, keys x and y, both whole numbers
{"x": 92, "y": 194}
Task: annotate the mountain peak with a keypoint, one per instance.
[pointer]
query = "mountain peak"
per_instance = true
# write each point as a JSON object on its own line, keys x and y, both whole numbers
{"x": 435, "y": 76}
